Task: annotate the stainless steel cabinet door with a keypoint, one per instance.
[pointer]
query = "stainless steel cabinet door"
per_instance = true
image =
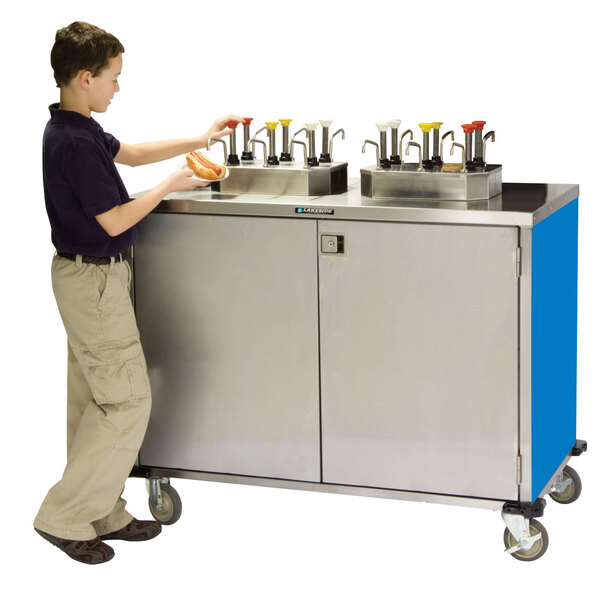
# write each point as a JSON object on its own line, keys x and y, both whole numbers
{"x": 419, "y": 358}
{"x": 227, "y": 311}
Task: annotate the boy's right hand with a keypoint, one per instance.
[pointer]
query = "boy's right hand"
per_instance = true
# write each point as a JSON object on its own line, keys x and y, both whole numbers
{"x": 183, "y": 180}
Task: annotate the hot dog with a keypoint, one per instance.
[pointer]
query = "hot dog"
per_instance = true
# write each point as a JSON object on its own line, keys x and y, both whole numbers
{"x": 204, "y": 168}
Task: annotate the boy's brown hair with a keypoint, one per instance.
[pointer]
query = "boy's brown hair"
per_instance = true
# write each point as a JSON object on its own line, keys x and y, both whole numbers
{"x": 81, "y": 46}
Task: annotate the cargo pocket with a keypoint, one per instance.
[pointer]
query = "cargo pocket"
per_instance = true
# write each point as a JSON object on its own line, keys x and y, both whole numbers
{"x": 116, "y": 372}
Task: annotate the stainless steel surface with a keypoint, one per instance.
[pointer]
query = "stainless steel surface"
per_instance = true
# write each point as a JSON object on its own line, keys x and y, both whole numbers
{"x": 331, "y": 142}
{"x": 285, "y": 142}
{"x": 382, "y": 127}
{"x": 288, "y": 178}
{"x": 468, "y": 147}
{"x": 409, "y": 181}
{"x": 383, "y": 147}
{"x": 255, "y": 138}
{"x": 377, "y": 154}
{"x": 310, "y": 134}
{"x": 305, "y": 152}
{"x": 448, "y": 133}
{"x": 311, "y": 143}
{"x": 457, "y": 145}
{"x": 519, "y": 204}
{"x": 285, "y": 136}
{"x": 271, "y": 136}
{"x": 478, "y": 144}
{"x": 425, "y": 147}
{"x": 246, "y": 136}
{"x": 490, "y": 134}
{"x": 294, "y": 137}
{"x": 419, "y": 359}
{"x": 254, "y": 141}
{"x": 232, "y": 142}
{"x": 230, "y": 335}
{"x": 376, "y": 191}
{"x": 333, "y": 489}
{"x": 421, "y": 328}
{"x": 212, "y": 141}
{"x": 407, "y": 132}
{"x": 436, "y": 143}
{"x": 325, "y": 124}
{"x": 394, "y": 140}
{"x": 525, "y": 445}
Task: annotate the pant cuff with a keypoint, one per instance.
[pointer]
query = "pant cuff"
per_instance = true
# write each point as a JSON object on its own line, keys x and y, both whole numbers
{"x": 80, "y": 535}
{"x": 114, "y": 524}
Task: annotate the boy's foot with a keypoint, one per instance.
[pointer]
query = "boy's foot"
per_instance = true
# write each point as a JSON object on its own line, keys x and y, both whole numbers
{"x": 136, "y": 531}
{"x": 90, "y": 552}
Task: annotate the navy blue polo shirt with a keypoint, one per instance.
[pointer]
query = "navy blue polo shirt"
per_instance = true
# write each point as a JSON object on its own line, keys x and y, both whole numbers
{"x": 81, "y": 181}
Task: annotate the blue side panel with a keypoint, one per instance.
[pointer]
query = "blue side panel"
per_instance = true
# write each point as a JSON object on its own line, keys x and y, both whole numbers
{"x": 553, "y": 342}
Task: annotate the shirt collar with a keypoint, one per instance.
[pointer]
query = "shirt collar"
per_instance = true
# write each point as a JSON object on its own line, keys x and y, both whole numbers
{"x": 72, "y": 118}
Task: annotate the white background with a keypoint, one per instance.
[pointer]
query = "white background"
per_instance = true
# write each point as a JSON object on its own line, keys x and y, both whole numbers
{"x": 528, "y": 68}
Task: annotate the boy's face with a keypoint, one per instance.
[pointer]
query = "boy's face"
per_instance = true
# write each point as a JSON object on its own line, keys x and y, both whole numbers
{"x": 104, "y": 86}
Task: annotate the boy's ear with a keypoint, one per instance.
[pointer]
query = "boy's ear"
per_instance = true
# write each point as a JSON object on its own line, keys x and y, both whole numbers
{"x": 84, "y": 79}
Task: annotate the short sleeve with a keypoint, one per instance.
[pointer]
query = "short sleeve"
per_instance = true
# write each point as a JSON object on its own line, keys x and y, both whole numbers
{"x": 113, "y": 143}
{"x": 90, "y": 177}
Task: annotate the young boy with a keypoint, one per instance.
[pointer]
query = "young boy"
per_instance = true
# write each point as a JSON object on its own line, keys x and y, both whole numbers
{"x": 93, "y": 226}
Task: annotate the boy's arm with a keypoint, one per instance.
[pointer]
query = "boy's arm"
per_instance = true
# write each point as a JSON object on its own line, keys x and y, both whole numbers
{"x": 135, "y": 155}
{"x": 124, "y": 216}
{"x": 150, "y": 152}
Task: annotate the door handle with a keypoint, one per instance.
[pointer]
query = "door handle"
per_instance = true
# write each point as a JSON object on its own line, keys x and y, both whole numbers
{"x": 333, "y": 243}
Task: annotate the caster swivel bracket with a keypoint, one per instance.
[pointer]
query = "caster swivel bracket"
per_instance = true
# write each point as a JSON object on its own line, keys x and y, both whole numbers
{"x": 518, "y": 525}
{"x": 155, "y": 492}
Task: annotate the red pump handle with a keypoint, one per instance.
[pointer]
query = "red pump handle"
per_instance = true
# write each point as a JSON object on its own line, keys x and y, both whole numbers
{"x": 248, "y": 120}
{"x": 232, "y": 124}
{"x": 479, "y": 124}
{"x": 468, "y": 127}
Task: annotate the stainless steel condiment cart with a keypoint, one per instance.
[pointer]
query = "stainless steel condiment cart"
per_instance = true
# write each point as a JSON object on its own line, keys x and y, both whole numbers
{"x": 415, "y": 350}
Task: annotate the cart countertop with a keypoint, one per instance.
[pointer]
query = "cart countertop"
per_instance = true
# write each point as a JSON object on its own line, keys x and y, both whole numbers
{"x": 519, "y": 204}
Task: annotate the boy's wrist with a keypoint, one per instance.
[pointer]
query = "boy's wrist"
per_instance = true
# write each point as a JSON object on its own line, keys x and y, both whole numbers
{"x": 203, "y": 139}
{"x": 164, "y": 187}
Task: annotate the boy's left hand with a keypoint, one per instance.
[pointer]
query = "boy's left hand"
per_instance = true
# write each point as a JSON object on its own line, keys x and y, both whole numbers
{"x": 219, "y": 128}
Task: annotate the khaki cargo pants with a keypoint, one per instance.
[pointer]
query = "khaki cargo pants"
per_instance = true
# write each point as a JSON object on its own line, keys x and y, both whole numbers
{"x": 108, "y": 399}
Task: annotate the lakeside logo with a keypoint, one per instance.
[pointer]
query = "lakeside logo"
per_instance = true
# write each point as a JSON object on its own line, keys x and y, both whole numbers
{"x": 315, "y": 211}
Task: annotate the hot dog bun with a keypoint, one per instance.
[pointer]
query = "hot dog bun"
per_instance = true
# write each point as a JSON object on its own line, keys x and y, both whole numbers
{"x": 204, "y": 168}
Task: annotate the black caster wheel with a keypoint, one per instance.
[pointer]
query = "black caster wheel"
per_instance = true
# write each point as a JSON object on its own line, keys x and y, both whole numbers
{"x": 572, "y": 491}
{"x": 171, "y": 502}
{"x": 537, "y": 550}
